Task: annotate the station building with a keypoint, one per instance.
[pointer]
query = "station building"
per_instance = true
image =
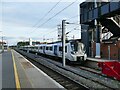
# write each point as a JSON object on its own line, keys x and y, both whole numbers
{"x": 3, "y": 45}
{"x": 100, "y": 28}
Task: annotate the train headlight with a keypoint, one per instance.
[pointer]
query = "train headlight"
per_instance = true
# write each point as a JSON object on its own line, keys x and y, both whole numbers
{"x": 85, "y": 56}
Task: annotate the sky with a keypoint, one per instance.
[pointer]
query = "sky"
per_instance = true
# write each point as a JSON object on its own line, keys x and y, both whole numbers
{"x": 23, "y": 19}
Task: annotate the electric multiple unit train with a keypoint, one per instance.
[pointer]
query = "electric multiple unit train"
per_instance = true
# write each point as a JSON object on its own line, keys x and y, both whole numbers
{"x": 74, "y": 50}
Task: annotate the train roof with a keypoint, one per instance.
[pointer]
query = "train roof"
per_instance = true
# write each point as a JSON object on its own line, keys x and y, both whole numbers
{"x": 55, "y": 43}
{"x": 72, "y": 40}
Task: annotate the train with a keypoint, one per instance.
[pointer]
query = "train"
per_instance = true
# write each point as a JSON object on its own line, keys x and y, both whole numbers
{"x": 74, "y": 50}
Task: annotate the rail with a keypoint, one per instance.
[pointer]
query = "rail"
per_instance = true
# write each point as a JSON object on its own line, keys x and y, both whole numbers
{"x": 81, "y": 76}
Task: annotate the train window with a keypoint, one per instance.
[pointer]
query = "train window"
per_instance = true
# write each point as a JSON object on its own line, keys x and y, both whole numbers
{"x": 51, "y": 48}
{"x": 66, "y": 49}
{"x": 74, "y": 46}
{"x": 60, "y": 48}
{"x": 41, "y": 47}
{"x": 46, "y": 48}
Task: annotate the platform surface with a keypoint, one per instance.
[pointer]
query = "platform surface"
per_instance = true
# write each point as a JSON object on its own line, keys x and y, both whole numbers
{"x": 18, "y": 72}
{"x": 99, "y": 59}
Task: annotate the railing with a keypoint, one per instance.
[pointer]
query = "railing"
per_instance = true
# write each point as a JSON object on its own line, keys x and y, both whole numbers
{"x": 117, "y": 19}
{"x": 104, "y": 10}
{"x": 107, "y": 36}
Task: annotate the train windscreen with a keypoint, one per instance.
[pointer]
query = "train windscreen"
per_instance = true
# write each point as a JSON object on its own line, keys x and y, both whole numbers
{"x": 74, "y": 46}
{"x": 77, "y": 47}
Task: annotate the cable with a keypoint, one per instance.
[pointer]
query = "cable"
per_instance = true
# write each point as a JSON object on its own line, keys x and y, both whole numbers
{"x": 73, "y": 17}
{"x": 56, "y": 14}
{"x": 50, "y": 31}
{"x": 47, "y": 13}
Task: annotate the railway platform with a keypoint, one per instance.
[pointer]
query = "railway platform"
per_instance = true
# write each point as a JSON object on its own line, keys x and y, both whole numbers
{"x": 93, "y": 62}
{"x": 110, "y": 68}
{"x": 18, "y": 72}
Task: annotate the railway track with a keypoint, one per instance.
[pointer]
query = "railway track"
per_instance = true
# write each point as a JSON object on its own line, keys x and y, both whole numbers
{"x": 94, "y": 71}
{"x": 65, "y": 81}
{"x": 72, "y": 78}
{"x": 60, "y": 78}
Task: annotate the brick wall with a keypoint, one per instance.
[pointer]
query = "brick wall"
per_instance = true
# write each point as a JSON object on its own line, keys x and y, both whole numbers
{"x": 114, "y": 50}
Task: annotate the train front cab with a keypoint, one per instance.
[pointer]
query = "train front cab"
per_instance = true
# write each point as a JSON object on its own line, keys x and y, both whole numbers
{"x": 78, "y": 52}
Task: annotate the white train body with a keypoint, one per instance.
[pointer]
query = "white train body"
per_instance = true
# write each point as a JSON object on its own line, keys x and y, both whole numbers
{"x": 74, "y": 50}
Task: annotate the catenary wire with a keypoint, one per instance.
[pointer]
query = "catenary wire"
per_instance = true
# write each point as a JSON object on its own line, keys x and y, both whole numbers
{"x": 47, "y": 13}
{"x": 56, "y": 14}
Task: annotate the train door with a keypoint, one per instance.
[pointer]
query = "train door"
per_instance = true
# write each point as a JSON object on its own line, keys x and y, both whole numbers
{"x": 43, "y": 49}
{"x": 55, "y": 49}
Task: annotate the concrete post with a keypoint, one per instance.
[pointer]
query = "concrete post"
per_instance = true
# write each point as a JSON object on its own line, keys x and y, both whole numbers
{"x": 109, "y": 52}
{"x": 98, "y": 28}
{"x": 63, "y": 42}
{"x": 92, "y": 43}
{"x": 30, "y": 41}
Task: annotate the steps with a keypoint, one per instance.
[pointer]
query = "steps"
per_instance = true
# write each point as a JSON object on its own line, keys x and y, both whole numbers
{"x": 112, "y": 26}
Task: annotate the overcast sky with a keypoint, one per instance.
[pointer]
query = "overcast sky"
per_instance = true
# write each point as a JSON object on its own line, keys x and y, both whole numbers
{"x": 19, "y": 17}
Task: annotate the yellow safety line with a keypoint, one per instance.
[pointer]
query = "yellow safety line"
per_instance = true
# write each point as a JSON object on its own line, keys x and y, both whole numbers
{"x": 16, "y": 74}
